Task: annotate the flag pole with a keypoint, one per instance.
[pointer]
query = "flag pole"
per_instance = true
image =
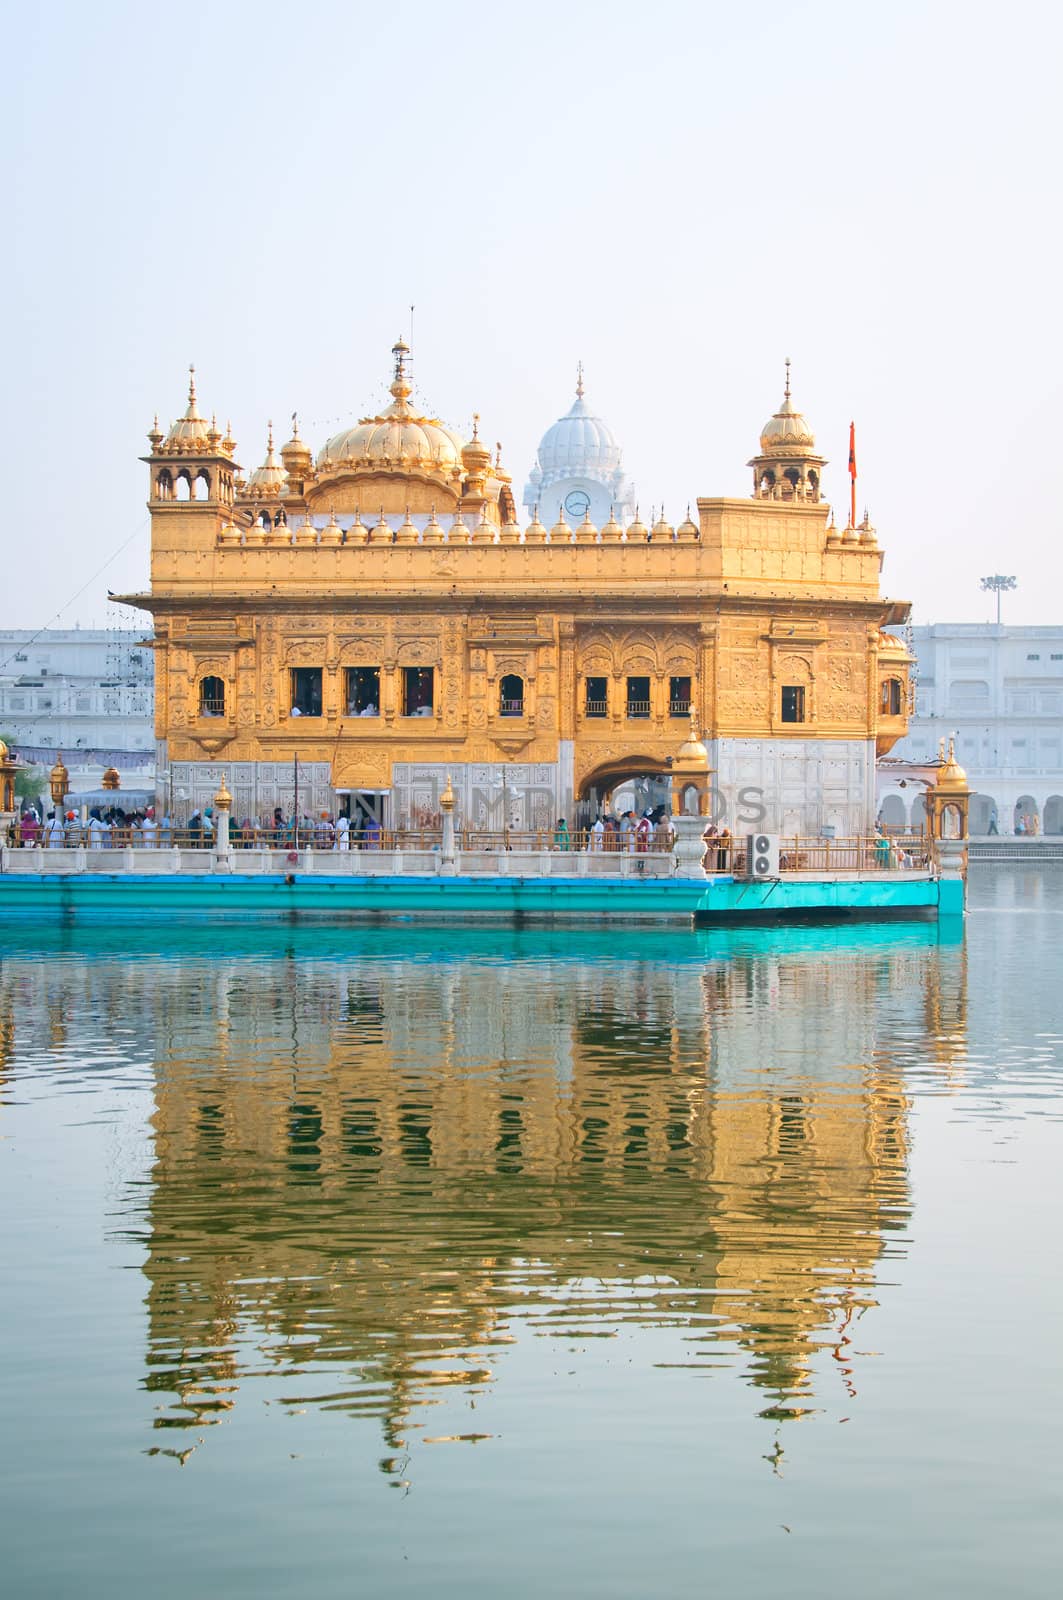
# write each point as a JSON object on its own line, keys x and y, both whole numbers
{"x": 852, "y": 474}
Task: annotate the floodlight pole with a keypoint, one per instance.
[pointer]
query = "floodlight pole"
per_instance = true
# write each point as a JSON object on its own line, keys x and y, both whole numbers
{"x": 997, "y": 584}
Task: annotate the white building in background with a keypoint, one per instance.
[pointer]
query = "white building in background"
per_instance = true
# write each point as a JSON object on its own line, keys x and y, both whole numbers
{"x": 999, "y": 691}
{"x": 87, "y": 692}
{"x": 578, "y": 467}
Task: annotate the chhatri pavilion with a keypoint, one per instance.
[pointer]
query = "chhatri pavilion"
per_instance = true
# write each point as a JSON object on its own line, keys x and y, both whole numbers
{"x": 376, "y": 617}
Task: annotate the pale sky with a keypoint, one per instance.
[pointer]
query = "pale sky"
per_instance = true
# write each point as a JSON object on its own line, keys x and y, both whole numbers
{"x": 679, "y": 195}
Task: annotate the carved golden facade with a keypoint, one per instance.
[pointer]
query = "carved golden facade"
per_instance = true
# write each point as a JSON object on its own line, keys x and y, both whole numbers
{"x": 379, "y": 614}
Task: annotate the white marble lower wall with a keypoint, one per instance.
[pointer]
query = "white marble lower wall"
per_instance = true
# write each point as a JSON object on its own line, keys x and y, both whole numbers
{"x": 256, "y": 787}
{"x": 523, "y": 795}
{"x": 794, "y": 786}
{"x": 526, "y": 796}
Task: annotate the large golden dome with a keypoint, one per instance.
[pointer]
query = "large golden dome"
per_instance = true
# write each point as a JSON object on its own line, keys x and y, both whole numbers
{"x": 398, "y": 437}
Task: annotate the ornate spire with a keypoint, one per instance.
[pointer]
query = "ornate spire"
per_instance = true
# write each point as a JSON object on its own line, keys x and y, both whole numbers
{"x": 579, "y": 380}
{"x": 191, "y": 412}
{"x": 786, "y": 391}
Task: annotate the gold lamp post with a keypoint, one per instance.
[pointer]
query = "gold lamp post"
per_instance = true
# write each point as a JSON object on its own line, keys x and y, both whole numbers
{"x": 948, "y": 800}
{"x": 223, "y": 804}
{"x": 59, "y": 782}
{"x": 8, "y": 768}
{"x": 691, "y": 781}
{"x": 111, "y": 779}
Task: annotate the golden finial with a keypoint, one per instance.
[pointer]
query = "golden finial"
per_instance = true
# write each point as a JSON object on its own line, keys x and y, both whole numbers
{"x": 498, "y": 453}
{"x": 448, "y": 797}
{"x": 269, "y": 437}
{"x": 400, "y": 387}
{"x": 579, "y": 380}
{"x": 295, "y": 424}
{"x": 476, "y": 425}
{"x": 787, "y": 389}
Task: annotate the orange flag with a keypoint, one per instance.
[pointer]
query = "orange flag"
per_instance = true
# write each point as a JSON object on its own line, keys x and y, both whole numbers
{"x": 852, "y": 474}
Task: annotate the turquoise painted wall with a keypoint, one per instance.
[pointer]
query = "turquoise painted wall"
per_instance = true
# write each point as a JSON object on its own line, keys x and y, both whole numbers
{"x": 163, "y": 895}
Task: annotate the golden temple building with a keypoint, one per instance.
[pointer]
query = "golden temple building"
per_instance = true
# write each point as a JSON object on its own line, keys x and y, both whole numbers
{"x": 375, "y": 618}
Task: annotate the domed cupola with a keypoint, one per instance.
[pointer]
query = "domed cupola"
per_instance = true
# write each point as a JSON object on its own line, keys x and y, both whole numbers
{"x": 787, "y": 467}
{"x": 267, "y": 481}
{"x": 579, "y": 463}
{"x": 190, "y": 434}
{"x": 297, "y": 459}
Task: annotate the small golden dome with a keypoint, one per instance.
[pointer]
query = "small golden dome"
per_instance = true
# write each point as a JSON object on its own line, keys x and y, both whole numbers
{"x": 223, "y": 799}
{"x": 332, "y": 533}
{"x": 587, "y": 533}
{"x": 3, "y": 751}
{"x": 560, "y": 533}
{"x": 190, "y": 431}
{"x": 380, "y": 532}
{"x": 433, "y": 530}
{"x": 535, "y": 532}
{"x": 612, "y": 532}
{"x": 459, "y": 533}
{"x": 406, "y": 532}
{"x": 688, "y": 528}
{"x": 663, "y": 531}
{"x": 266, "y": 482}
{"x": 636, "y": 531}
{"x": 357, "y": 533}
{"x": 111, "y": 779}
{"x": 475, "y": 455}
{"x": 691, "y": 755}
{"x": 484, "y": 531}
{"x": 296, "y": 453}
{"x": 951, "y": 777}
{"x": 787, "y": 431}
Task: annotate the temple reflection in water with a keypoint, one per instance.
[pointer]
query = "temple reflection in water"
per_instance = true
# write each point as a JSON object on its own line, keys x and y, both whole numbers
{"x": 374, "y": 1172}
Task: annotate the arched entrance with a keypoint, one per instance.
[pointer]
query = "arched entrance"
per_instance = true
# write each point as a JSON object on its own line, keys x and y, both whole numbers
{"x": 983, "y": 811}
{"x": 893, "y": 813}
{"x": 1054, "y": 814}
{"x": 628, "y": 783}
{"x": 1027, "y": 818}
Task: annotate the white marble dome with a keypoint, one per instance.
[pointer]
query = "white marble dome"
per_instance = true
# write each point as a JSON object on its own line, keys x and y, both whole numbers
{"x": 579, "y": 456}
{"x": 578, "y": 443}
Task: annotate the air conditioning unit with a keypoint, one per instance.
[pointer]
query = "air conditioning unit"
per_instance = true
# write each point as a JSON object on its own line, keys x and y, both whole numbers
{"x": 762, "y": 855}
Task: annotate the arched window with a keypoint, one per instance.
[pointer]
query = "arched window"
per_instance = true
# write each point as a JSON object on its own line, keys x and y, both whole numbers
{"x": 164, "y": 485}
{"x": 211, "y": 697}
{"x": 201, "y": 487}
{"x": 890, "y": 699}
{"x": 183, "y": 487}
{"x": 511, "y": 696}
